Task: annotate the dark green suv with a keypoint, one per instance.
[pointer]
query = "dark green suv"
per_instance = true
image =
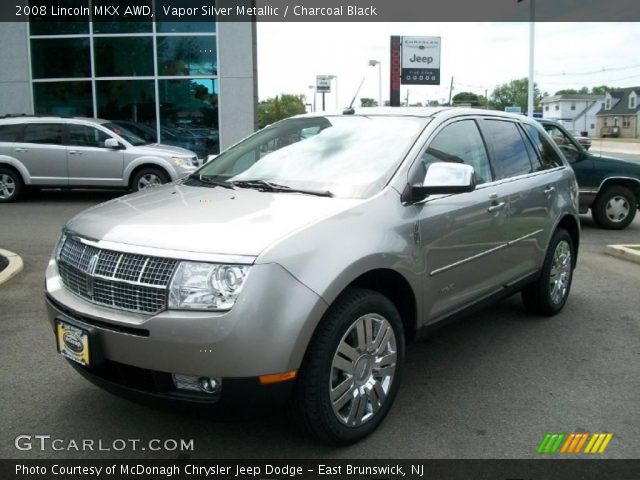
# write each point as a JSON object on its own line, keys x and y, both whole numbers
{"x": 609, "y": 186}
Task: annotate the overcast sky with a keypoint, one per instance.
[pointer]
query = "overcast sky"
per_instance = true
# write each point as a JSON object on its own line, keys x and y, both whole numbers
{"x": 479, "y": 56}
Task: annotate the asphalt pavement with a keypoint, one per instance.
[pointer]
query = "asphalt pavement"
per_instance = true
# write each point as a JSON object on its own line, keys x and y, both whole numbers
{"x": 490, "y": 386}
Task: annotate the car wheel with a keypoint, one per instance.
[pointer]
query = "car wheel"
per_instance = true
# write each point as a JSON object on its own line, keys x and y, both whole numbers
{"x": 148, "y": 177}
{"x": 615, "y": 208}
{"x": 10, "y": 185}
{"x": 549, "y": 293}
{"x": 352, "y": 368}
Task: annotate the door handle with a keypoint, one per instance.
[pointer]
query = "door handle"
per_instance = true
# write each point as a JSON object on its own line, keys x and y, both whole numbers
{"x": 549, "y": 190}
{"x": 19, "y": 149}
{"x": 496, "y": 207}
{"x": 75, "y": 152}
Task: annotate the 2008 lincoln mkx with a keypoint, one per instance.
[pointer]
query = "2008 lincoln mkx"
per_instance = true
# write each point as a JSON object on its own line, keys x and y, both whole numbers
{"x": 299, "y": 262}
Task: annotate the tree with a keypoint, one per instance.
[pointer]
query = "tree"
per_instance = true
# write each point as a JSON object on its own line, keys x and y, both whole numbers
{"x": 514, "y": 93}
{"x": 273, "y": 109}
{"x": 368, "y": 102}
{"x": 466, "y": 97}
{"x": 566, "y": 91}
{"x": 601, "y": 90}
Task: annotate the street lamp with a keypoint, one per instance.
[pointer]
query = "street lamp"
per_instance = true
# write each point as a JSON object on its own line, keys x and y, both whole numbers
{"x": 532, "y": 35}
{"x": 373, "y": 63}
{"x": 313, "y": 87}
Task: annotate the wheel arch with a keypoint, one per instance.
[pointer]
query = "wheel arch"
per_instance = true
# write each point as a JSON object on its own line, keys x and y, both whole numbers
{"x": 134, "y": 171}
{"x": 631, "y": 183}
{"x": 7, "y": 162}
{"x": 571, "y": 225}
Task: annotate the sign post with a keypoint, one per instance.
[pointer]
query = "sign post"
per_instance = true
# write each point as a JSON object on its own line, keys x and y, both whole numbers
{"x": 414, "y": 61}
{"x": 323, "y": 85}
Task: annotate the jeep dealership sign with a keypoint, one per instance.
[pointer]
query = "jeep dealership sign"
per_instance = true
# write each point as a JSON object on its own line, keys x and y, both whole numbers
{"x": 420, "y": 61}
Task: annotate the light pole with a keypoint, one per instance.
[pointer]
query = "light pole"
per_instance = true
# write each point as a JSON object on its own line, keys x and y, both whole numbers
{"x": 373, "y": 63}
{"x": 532, "y": 37}
{"x": 313, "y": 87}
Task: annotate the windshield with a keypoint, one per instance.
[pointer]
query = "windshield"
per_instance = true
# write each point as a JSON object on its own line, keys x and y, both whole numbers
{"x": 349, "y": 156}
{"x": 128, "y": 135}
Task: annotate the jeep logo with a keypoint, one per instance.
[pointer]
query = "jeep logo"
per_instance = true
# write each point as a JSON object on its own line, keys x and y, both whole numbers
{"x": 72, "y": 342}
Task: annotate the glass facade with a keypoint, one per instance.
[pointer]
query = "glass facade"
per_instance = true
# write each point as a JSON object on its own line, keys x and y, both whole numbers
{"x": 157, "y": 79}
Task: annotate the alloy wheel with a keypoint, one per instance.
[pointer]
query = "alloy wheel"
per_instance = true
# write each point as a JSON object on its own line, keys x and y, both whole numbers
{"x": 149, "y": 180}
{"x": 560, "y": 274}
{"x": 7, "y": 186}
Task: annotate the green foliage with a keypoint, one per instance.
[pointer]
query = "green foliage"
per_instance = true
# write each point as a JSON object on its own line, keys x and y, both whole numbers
{"x": 283, "y": 106}
{"x": 368, "y": 102}
{"x": 465, "y": 97}
{"x": 601, "y": 90}
{"x": 514, "y": 93}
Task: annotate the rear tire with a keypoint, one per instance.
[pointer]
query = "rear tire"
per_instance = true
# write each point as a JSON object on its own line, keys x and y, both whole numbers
{"x": 548, "y": 294}
{"x": 615, "y": 208}
{"x": 148, "y": 177}
{"x": 352, "y": 368}
{"x": 11, "y": 185}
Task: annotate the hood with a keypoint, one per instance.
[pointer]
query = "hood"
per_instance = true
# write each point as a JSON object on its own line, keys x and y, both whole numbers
{"x": 160, "y": 149}
{"x": 205, "y": 220}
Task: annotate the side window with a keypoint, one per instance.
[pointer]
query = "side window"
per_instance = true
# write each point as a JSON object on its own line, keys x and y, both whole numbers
{"x": 85, "y": 136}
{"x": 510, "y": 157}
{"x": 10, "y": 133}
{"x": 47, "y": 133}
{"x": 459, "y": 142}
{"x": 548, "y": 156}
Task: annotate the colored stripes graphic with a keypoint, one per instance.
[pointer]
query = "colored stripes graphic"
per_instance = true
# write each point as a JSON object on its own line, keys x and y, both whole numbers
{"x": 573, "y": 442}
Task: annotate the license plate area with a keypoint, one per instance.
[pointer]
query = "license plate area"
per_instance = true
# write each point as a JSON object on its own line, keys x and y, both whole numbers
{"x": 76, "y": 343}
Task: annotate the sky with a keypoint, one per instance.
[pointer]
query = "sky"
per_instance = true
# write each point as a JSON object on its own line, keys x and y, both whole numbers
{"x": 479, "y": 57}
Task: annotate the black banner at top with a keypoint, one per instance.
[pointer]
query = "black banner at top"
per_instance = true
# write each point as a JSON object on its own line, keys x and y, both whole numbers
{"x": 321, "y": 10}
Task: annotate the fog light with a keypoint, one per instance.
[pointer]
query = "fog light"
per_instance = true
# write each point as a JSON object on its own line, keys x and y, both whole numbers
{"x": 210, "y": 385}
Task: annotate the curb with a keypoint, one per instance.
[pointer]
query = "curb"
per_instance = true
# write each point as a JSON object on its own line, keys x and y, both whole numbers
{"x": 15, "y": 265}
{"x": 624, "y": 252}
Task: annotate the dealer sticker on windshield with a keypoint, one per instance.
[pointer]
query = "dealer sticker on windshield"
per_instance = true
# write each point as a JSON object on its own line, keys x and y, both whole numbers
{"x": 73, "y": 343}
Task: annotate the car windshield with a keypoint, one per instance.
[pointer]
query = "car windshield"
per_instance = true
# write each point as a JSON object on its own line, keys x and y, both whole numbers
{"x": 349, "y": 156}
{"x": 128, "y": 135}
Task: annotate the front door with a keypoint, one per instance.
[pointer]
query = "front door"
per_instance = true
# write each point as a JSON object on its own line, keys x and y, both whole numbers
{"x": 90, "y": 163}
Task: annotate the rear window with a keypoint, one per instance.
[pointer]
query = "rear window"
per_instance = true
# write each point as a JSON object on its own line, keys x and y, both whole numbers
{"x": 510, "y": 157}
{"x": 10, "y": 133}
{"x": 547, "y": 154}
{"x": 48, "y": 133}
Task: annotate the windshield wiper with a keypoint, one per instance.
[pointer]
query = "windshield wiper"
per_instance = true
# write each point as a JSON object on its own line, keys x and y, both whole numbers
{"x": 208, "y": 180}
{"x": 267, "y": 186}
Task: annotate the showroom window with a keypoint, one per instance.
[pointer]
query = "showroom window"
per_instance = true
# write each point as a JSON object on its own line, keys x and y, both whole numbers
{"x": 123, "y": 56}
{"x": 63, "y": 98}
{"x": 108, "y": 69}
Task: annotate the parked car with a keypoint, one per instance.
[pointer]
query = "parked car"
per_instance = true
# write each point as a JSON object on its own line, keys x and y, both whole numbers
{"x": 295, "y": 267}
{"x": 82, "y": 152}
{"x": 583, "y": 140}
{"x": 609, "y": 186}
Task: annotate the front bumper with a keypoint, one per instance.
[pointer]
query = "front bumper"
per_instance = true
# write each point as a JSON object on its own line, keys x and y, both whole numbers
{"x": 266, "y": 332}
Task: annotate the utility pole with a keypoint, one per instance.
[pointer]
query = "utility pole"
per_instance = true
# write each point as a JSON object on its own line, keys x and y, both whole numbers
{"x": 450, "y": 91}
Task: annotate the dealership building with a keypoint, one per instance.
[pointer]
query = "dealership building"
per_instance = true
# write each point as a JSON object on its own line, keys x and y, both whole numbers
{"x": 191, "y": 84}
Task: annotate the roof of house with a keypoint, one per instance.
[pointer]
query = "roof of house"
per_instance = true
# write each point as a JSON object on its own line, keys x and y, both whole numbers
{"x": 572, "y": 96}
{"x": 622, "y": 106}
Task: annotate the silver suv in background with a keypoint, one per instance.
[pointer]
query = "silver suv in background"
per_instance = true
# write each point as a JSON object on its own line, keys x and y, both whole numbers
{"x": 80, "y": 153}
{"x": 298, "y": 262}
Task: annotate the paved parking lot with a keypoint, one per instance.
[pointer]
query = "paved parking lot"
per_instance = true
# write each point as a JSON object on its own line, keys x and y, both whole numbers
{"x": 490, "y": 386}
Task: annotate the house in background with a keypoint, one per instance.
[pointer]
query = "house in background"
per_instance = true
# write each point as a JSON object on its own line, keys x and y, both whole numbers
{"x": 575, "y": 111}
{"x": 621, "y": 110}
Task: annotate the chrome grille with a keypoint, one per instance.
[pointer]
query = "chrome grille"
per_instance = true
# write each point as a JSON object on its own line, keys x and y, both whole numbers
{"x": 125, "y": 281}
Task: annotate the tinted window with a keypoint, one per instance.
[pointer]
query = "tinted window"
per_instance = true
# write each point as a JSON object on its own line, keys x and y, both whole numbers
{"x": 9, "y": 133}
{"x": 84, "y": 136}
{"x": 63, "y": 98}
{"x": 49, "y": 133}
{"x": 510, "y": 156}
{"x": 60, "y": 58}
{"x": 195, "y": 55}
{"x": 548, "y": 155}
{"x": 123, "y": 57}
{"x": 460, "y": 142}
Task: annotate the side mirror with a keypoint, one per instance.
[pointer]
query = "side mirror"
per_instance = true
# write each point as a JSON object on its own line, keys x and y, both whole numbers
{"x": 443, "y": 178}
{"x": 113, "y": 144}
{"x": 209, "y": 158}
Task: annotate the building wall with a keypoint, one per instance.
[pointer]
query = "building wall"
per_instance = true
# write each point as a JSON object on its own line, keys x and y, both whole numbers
{"x": 632, "y": 131}
{"x": 15, "y": 87}
{"x": 574, "y": 119}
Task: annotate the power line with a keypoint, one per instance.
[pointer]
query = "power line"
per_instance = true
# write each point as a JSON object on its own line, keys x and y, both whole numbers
{"x": 591, "y": 72}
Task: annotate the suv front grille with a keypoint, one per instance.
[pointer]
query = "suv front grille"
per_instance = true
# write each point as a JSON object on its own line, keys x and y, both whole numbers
{"x": 125, "y": 281}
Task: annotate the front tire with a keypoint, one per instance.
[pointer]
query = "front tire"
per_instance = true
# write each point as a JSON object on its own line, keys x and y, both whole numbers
{"x": 352, "y": 369}
{"x": 148, "y": 177}
{"x": 615, "y": 208}
{"x": 548, "y": 294}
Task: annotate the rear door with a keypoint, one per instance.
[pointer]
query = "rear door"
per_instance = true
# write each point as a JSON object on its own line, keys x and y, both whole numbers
{"x": 531, "y": 192}
{"x": 90, "y": 162}
{"x": 43, "y": 153}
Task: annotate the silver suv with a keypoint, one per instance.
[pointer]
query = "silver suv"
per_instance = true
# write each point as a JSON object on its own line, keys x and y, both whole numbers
{"x": 299, "y": 262}
{"x": 81, "y": 153}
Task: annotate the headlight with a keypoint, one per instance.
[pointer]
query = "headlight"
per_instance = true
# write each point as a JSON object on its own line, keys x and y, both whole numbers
{"x": 206, "y": 286}
{"x": 186, "y": 162}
